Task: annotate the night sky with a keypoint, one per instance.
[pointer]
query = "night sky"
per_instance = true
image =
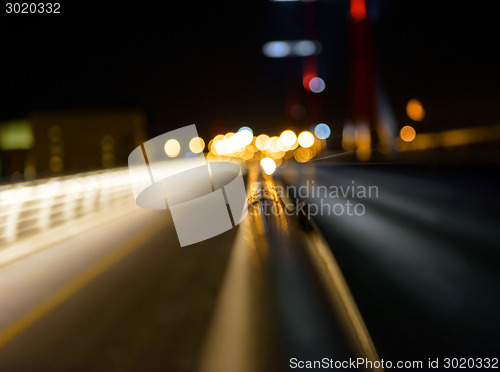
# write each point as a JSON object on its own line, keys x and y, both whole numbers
{"x": 195, "y": 62}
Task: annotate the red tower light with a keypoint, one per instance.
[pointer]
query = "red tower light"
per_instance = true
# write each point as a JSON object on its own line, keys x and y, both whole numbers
{"x": 358, "y": 10}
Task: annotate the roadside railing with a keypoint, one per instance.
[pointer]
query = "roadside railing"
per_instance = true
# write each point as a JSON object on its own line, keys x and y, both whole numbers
{"x": 30, "y": 208}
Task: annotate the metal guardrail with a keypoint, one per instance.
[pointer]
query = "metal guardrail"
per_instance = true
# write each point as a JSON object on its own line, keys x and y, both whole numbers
{"x": 30, "y": 208}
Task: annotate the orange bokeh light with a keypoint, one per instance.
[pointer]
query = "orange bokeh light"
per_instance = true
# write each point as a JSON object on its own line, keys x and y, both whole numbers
{"x": 407, "y": 133}
{"x": 415, "y": 110}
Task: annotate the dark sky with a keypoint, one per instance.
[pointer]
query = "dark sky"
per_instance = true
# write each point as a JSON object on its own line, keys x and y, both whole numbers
{"x": 195, "y": 62}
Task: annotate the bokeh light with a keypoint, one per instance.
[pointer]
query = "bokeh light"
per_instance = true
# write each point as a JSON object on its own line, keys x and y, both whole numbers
{"x": 317, "y": 85}
{"x": 407, "y": 133}
{"x": 263, "y": 142}
{"x": 288, "y": 138}
{"x": 240, "y": 140}
{"x": 247, "y": 129}
{"x": 274, "y": 144}
{"x": 304, "y": 48}
{"x": 281, "y": 146}
{"x": 196, "y": 145}
{"x": 322, "y": 131}
{"x": 277, "y": 49}
{"x": 172, "y": 148}
{"x": 358, "y": 10}
{"x": 306, "y": 139}
{"x": 268, "y": 165}
{"x": 415, "y": 110}
{"x": 303, "y": 154}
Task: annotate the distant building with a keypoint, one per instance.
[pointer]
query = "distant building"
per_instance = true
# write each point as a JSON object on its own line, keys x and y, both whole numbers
{"x": 69, "y": 141}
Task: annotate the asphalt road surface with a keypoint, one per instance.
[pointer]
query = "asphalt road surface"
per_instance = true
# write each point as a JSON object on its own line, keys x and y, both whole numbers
{"x": 423, "y": 261}
{"x": 122, "y": 297}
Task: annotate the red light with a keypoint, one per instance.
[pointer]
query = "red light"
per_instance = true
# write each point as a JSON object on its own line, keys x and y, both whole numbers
{"x": 306, "y": 80}
{"x": 310, "y": 71}
{"x": 358, "y": 10}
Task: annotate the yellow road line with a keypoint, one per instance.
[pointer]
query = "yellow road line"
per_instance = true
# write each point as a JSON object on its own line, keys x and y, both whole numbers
{"x": 80, "y": 281}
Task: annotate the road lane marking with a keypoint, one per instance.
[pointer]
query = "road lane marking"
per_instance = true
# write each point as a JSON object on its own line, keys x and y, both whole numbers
{"x": 337, "y": 291}
{"x": 341, "y": 298}
{"x": 80, "y": 281}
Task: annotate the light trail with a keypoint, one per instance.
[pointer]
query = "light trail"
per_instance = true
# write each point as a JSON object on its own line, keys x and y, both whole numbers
{"x": 29, "y": 211}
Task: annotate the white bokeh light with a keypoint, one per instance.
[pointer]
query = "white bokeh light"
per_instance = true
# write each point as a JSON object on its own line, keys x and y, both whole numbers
{"x": 317, "y": 85}
{"x": 268, "y": 165}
